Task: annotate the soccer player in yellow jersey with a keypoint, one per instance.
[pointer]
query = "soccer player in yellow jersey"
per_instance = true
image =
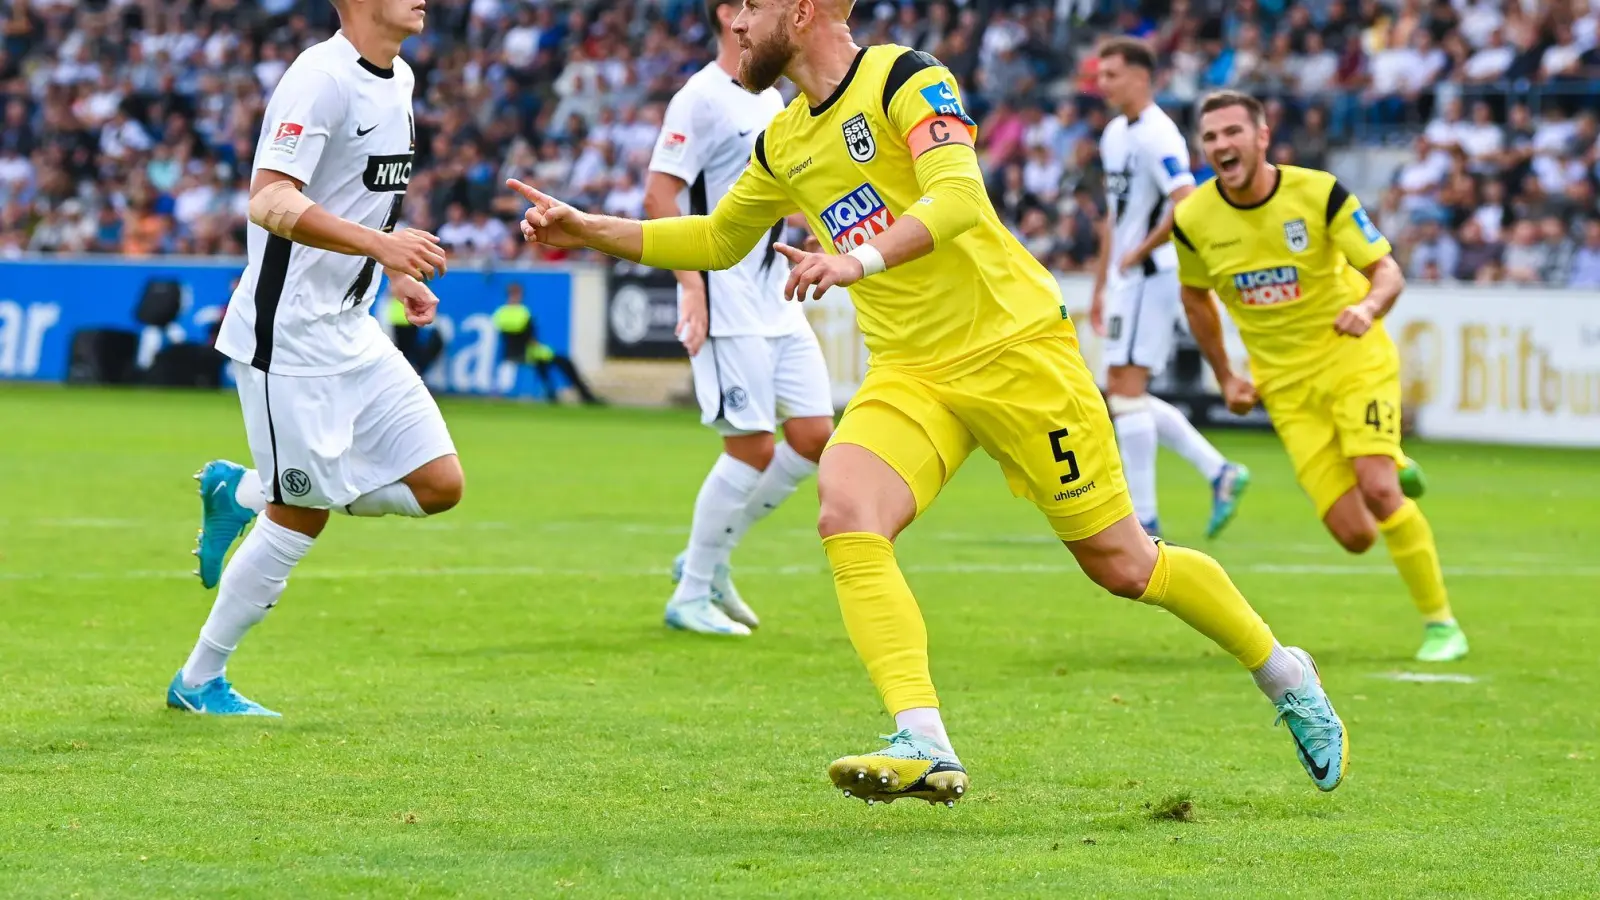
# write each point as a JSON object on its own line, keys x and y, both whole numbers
{"x": 969, "y": 348}
{"x": 1308, "y": 278}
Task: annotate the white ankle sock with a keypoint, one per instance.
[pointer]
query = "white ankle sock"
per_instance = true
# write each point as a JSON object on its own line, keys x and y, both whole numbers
{"x": 1281, "y": 673}
{"x": 251, "y": 585}
{"x": 717, "y": 510}
{"x": 1177, "y": 434}
{"x": 924, "y": 722}
{"x": 391, "y": 499}
{"x": 250, "y": 494}
{"x": 1136, "y": 438}
{"x": 778, "y": 483}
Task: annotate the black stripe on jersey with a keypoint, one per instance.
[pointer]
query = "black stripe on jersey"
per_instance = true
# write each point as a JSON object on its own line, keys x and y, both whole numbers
{"x": 761, "y": 152}
{"x": 269, "y": 290}
{"x": 771, "y": 255}
{"x": 1336, "y": 198}
{"x": 905, "y": 65}
{"x": 1150, "y": 225}
{"x": 844, "y": 85}
{"x": 272, "y": 437}
{"x": 1177, "y": 234}
{"x": 699, "y": 205}
{"x": 358, "y": 288}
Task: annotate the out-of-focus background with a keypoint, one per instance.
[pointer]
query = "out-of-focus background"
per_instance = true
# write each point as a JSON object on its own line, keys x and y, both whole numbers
{"x": 1468, "y": 127}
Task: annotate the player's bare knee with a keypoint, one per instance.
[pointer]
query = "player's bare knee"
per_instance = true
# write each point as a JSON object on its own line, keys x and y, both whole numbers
{"x": 439, "y": 485}
{"x": 1382, "y": 495}
{"x": 1127, "y": 381}
{"x": 808, "y": 437}
{"x": 754, "y": 450}
{"x": 1355, "y": 540}
{"x": 1124, "y": 576}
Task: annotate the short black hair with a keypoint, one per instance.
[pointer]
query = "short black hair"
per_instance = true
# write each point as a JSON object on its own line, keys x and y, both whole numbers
{"x": 1223, "y": 99}
{"x": 1133, "y": 51}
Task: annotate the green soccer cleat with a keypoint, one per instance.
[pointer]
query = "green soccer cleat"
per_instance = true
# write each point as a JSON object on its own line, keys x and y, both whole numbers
{"x": 1319, "y": 736}
{"x": 1226, "y": 491}
{"x": 908, "y": 767}
{"x": 1442, "y": 642}
{"x": 1412, "y": 482}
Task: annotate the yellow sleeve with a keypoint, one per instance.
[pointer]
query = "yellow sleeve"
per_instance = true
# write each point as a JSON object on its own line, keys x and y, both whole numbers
{"x": 917, "y": 89}
{"x": 742, "y": 217}
{"x": 1351, "y": 229}
{"x": 1192, "y": 270}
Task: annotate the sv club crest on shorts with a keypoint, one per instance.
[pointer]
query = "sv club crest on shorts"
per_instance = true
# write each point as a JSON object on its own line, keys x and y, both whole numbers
{"x": 735, "y": 399}
{"x": 295, "y": 483}
{"x": 1296, "y": 235}
{"x": 858, "y": 138}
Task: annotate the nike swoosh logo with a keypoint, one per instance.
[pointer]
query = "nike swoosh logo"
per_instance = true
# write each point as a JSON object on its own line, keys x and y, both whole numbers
{"x": 360, "y": 133}
{"x": 746, "y": 132}
{"x": 1317, "y": 772}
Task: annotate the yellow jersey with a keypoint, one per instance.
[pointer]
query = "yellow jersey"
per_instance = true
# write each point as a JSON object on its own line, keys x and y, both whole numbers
{"x": 1284, "y": 268}
{"x": 847, "y": 164}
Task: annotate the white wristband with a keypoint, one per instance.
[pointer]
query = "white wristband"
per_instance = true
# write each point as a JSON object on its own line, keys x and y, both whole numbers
{"x": 869, "y": 257}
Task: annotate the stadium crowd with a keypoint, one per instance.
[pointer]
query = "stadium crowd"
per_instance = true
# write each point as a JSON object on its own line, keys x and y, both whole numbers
{"x": 128, "y": 125}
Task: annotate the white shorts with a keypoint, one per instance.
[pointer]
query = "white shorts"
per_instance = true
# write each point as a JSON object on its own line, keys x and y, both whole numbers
{"x": 1142, "y": 314}
{"x": 321, "y": 441}
{"x": 748, "y": 384}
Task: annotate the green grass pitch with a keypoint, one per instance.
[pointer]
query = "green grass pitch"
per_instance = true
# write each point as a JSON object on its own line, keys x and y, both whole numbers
{"x": 487, "y": 705}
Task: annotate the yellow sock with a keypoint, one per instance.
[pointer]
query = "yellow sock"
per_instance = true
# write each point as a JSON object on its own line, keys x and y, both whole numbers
{"x": 1193, "y": 587}
{"x": 1411, "y": 545}
{"x": 882, "y": 618}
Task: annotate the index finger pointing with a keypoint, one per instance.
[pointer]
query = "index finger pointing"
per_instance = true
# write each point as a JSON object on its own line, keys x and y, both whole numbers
{"x": 529, "y": 193}
{"x": 789, "y": 253}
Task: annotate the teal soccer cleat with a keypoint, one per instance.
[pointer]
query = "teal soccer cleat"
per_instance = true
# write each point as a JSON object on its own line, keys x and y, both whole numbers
{"x": 909, "y": 767}
{"x": 1319, "y": 736}
{"x": 214, "y": 698}
{"x": 1226, "y": 491}
{"x": 222, "y": 518}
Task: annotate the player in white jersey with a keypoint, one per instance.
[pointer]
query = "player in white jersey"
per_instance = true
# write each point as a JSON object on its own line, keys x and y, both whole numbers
{"x": 755, "y": 359}
{"x": 1136, "y": 305}
{"x": 335, "y": 417}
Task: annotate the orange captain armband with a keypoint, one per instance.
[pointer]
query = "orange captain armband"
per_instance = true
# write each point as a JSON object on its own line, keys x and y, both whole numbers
{"x": 938, "y": 131}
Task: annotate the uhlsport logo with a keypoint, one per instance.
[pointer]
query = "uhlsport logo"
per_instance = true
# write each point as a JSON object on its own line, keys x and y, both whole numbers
{"x": 856, "y": 218}
{"x": 1267, "y": 287}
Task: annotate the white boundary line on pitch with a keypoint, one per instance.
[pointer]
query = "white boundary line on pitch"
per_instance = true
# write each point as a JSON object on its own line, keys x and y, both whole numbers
{"x": 803, "y": 569}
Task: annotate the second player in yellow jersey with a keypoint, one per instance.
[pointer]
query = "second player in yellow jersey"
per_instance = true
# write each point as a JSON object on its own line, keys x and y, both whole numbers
{"x": 969, "y": 347}
{"x": 1307, "y": 278}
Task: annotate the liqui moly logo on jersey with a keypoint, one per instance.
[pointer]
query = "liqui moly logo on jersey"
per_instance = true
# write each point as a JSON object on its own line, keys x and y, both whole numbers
{"x": 1267, "y": 287}
{"x": 857, "y": 218}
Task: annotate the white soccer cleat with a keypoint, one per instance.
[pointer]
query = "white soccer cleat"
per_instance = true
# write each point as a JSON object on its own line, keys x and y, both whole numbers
{"x": 700, "y": 614}
{"x": 723, "y": 593}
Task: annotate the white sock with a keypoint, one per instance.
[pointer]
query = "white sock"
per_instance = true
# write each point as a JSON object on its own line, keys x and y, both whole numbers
{"x": 717, "y": 511}
{"x": 391, "y": 499}
{"x": 924, "y": 722}
{"x": 250, "y": 494}
{"x": 1281, "y": 674}
{"x": 251, "y": 584}
{"x": 1177, "y": 434}
{"x": 778, "y": 483}
{"x": 1136, "y": 438}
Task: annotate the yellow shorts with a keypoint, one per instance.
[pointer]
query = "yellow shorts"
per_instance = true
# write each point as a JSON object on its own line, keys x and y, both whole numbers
{"x": 1328, "y": 420}
{"x": 1035, "y": 409}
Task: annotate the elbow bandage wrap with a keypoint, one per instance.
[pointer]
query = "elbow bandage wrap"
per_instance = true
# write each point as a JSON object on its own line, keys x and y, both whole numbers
{"x": 278, "y": 206}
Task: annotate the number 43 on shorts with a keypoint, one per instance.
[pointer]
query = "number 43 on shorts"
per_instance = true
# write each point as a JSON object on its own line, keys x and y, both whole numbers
{"x": 1382, "y": 416}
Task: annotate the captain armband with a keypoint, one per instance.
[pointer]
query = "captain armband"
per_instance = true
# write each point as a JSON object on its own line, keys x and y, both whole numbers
{"x": 278, "y": 206}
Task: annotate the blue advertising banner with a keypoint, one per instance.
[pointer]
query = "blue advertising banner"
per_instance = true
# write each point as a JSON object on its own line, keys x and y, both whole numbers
{"x": 44, "y": 302}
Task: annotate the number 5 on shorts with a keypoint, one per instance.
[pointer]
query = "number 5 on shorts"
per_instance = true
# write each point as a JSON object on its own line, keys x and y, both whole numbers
{"x": 1064, "y": 455}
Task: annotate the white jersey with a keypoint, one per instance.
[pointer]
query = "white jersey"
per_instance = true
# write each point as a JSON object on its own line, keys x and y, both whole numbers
{"x": 706, "y": 139}
{"x": 342, "y": 127}
{"x": 1145, "y": 161}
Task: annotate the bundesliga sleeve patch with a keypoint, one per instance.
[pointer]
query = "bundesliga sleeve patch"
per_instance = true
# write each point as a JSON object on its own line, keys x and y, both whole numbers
{"x": 942, "y": 99}
{"x": 672, "y": 146}
{"x": 1364, "y": 222}
{"x": 1173, "y": 167}
{"x": 286, "y": 140}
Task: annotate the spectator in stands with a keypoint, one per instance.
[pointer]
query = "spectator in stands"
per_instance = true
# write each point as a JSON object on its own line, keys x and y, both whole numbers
{"x": 1585, "y": 270}
{"x": 1476, "y": 254}
{"x": 1434, "y": 251}
{"x": 1526, "y": 257}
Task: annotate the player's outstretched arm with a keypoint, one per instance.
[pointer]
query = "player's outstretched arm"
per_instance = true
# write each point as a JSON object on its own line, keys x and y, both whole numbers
{"x": 1205, "y": 323}
{"x": 277, "y": 204}
{"x": 696, "y": 243}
